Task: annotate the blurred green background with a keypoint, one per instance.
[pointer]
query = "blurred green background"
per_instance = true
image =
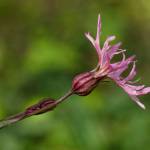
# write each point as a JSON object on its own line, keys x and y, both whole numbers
{"x": 42, "y": 47}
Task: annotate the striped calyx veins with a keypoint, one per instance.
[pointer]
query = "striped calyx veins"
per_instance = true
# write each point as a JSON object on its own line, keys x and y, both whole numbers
{"x": 84, "y": 83}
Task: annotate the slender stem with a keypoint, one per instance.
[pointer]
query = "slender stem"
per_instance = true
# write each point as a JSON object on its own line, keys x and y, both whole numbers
{"x": 44, "y": 109}
{"x": 12, "y": 119}
{"x": 60, "y": 100}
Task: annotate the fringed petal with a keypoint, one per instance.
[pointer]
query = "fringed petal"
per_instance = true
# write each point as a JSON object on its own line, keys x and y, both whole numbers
{"x": 137, "y": 101}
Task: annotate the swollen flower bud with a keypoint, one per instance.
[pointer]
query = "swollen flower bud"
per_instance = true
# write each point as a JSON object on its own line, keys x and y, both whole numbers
{"x": 84, "y": 83}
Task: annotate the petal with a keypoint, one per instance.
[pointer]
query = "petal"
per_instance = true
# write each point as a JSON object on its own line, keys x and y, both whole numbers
{"x": 97, "y": 47}
{"x": 105, "y": 53}
{"x": 98, "y": 30}
{"x": 104, "y": 59}
{"x": 137, "y": 101}
{"x": 132, "y": 91}
{"x": 136, "y": 90}
{"x": 90, "y": 38}
{"x": 118, "y": 68}
{"x": 113, "y": 49}
{"x": 122, "y": 65}
{"x": 106, "y": 44}
{"x": 139, "y": 87}
{"x": 144, "y": 91}
{"x": 131, "y": 74}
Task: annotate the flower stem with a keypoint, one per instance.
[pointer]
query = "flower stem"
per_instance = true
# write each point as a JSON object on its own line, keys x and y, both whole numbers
{"x": 41, "y": 107}
{"x": 60, "y": 100}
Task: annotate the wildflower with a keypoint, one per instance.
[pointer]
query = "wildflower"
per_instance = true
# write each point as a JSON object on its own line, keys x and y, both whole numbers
{"x": 84, "y": 83}
{"x": 106, "y": 69}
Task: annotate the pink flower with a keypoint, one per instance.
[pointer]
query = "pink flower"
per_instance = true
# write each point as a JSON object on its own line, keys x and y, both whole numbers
{"x": 114, "y": 70}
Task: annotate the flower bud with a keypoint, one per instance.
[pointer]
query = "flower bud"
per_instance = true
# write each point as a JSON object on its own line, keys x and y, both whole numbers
{"x": 84, "y": 83}
{"x": 43, "y": 106}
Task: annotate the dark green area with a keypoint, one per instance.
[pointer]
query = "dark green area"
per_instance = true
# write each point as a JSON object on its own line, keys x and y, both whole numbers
{"x": 42, "y": 47}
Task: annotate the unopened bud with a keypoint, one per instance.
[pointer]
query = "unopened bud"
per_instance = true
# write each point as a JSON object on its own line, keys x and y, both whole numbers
{"x": 84, "y": 83}
{"x": 43, "y": 106}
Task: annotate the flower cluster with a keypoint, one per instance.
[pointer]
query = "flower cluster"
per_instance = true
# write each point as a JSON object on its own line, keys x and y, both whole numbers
{"x": 106, "y": 69}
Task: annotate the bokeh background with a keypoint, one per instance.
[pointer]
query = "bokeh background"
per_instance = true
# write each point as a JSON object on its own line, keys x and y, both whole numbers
{"x": 42, "y": 47}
